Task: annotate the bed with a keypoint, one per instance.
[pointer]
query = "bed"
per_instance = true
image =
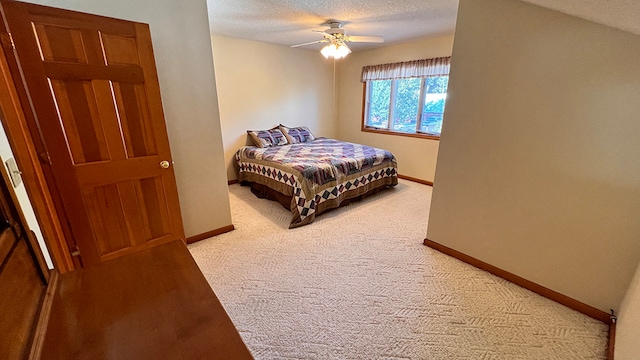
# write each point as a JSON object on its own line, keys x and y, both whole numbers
{"x": 314, "y": 176}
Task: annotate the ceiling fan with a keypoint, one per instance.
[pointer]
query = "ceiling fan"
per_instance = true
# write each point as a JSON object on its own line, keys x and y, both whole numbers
{"x": 337, "y": 39}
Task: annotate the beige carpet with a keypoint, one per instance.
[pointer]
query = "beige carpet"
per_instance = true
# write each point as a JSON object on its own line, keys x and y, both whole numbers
{"x": 359, "y": 284}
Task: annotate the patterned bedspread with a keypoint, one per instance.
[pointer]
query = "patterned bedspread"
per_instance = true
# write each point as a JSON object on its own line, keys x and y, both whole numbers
{"x": 318, "y": 174}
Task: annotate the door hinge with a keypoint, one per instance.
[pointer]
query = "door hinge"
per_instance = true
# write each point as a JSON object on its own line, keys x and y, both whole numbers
{"x": 7, "y": 40}
{"x": 45, "y": 158}
{"x": 75, "y": 251}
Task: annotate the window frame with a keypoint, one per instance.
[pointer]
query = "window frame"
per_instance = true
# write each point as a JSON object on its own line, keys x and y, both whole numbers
{"x": 389, "y": 130}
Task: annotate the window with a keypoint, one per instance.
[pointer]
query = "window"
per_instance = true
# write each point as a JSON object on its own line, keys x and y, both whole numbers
{"x": 406, "y": 98}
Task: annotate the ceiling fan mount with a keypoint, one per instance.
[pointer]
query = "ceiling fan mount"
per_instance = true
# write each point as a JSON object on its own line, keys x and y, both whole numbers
{"x": 334, "y": 28}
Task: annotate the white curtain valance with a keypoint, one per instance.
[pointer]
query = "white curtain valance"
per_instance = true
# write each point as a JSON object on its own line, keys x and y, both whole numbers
{"x": 408, "y": 69}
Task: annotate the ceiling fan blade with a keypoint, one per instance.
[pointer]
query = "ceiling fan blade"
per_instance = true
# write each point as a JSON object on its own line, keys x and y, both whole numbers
{"x": 372, "y": 39}
{"x": 310, "y": 43}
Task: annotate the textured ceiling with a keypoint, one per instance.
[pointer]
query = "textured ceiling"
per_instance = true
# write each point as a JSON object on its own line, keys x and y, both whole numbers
{"x": 289, "y": 22}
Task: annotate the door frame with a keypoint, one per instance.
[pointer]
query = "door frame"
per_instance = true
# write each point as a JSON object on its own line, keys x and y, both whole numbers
{"x": 16, "y": 122}
{"x": 12, "y": 205}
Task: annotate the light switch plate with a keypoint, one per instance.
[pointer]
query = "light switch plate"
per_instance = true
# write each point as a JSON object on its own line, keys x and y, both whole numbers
{"x": 14, "y": 173}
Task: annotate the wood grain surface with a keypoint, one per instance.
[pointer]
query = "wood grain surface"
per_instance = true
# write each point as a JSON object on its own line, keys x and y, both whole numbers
{"x": 153, "y": 304}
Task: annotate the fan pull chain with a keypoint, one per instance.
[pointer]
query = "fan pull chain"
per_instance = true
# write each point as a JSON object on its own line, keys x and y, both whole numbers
{"x": 335, "y": 105}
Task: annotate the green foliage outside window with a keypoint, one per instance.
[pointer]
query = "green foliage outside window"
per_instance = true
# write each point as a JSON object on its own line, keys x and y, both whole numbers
{"x": 406, "y": 104}
{"x": 379, "y": 103}
{"x": 405, "y": 112}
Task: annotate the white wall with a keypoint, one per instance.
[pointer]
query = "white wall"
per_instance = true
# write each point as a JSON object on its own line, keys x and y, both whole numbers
{"x": 627, "y": 345}
{"x": 416, "y": 157}
{"x": 261, "y": 85}
{"x": 538, "y": 170}
{"x": 180, "y": 35}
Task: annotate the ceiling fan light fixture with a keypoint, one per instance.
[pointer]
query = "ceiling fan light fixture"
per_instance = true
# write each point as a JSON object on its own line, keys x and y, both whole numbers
{"x": 328, "y": 50}
{"x": 336, "y": 51}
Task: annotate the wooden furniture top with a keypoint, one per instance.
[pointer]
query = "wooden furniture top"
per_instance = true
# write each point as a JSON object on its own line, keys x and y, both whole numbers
{"x": 153, "y": 304}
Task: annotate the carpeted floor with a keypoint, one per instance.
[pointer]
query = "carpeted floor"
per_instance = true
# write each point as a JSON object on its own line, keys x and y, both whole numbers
{"x": 358, "y": 284}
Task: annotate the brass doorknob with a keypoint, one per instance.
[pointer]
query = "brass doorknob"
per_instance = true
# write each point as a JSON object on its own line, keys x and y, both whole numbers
{"x": 165, "y": 164}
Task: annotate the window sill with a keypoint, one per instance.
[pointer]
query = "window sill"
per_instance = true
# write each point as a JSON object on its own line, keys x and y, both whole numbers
{"x": 398, "y": 133}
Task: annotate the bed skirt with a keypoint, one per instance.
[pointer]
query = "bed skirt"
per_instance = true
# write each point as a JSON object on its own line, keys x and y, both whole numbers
{"x": 287, "y": 201}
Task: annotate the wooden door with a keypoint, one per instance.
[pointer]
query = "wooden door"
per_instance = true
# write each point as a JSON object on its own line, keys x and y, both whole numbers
{"x": 93, "y": 89}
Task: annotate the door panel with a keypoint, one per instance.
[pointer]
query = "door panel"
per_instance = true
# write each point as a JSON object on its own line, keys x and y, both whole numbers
{"x": 68, "y": 44}
{"x": 135, "y": 120}
{"x": 80, "y": 120}
{"x": 112, "y": 219}
{"x": 107, "y": 218}
{"x": 120, "y": 50}
{"x": 94, "y": 90}
{"x": 151, "y": 196}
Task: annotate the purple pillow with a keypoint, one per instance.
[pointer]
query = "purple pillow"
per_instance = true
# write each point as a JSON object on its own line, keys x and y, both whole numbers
{"x": 267, "y": 138}
{"x": 297, "y": 135}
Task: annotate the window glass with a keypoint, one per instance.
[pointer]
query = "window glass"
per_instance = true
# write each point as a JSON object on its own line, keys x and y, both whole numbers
{"x": 435, "y": 95}
{"x": 414, "y": 105}
{"x": 379, "y": 100}
{"x": 407, "y": 100}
